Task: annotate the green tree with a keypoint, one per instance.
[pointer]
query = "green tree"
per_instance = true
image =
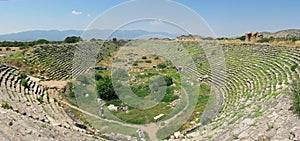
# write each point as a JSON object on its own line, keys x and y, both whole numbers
{"x": 22, "y": 75}
{"x": 72, "y": 39}
{"x": 105, "y": 89}
{"x": 294, "y": 67}
{"x": 169, "y": 80}
{"x": 42, "y": 41}
{"x": 98, "y": 76}
{"x": 242, "y": 38}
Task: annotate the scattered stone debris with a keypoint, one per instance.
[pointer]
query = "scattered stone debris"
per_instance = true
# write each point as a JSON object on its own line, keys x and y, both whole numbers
{"x": 112, "y": 107}
{"x": 158, "y": 116}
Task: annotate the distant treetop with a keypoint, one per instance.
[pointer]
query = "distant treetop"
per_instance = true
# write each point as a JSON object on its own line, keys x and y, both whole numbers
{"x": 73, "y": 39}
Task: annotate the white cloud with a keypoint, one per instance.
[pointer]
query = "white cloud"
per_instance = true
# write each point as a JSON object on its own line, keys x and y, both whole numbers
{"x": 76, "y": 12}
{"x": 89, "y": 15}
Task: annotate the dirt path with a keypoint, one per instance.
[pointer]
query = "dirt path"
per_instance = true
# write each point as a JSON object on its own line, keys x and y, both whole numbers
{"x": 151, "y": 128}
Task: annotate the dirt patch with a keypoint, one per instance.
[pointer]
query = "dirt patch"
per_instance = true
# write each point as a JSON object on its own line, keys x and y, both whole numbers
{"x": 54, "y": 84}
{"x": 55, "y": 88}
{"x": 7, "y": 51}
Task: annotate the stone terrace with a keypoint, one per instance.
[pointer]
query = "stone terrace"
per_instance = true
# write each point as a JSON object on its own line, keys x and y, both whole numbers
{"x": 32, "y": 114}
{"x": 255, "y": 95}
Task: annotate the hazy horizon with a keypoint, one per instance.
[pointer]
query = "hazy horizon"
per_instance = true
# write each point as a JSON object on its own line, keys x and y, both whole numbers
{"x": 226, "y": 18}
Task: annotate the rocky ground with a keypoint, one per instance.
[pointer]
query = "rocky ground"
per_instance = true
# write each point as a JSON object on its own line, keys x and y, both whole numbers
{"x": 17, "y": 127}
{"x": 278, "y": 124}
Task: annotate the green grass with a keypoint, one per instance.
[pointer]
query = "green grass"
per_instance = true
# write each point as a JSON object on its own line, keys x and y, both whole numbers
{"x": 141, "y": 91}
{"x": 255, "y": 114}
{"x": 140, "y": 116}
{"x": 107, "y": 127}
{"x": 16, "y": 55}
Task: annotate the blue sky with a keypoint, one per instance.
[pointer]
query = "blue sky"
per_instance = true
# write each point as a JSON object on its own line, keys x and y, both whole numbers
{"x": 225, "y": 17}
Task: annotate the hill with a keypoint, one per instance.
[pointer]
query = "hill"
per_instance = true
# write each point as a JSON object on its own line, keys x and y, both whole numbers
{"x": 56, "y": 35}
{"x": 283, "y": 34}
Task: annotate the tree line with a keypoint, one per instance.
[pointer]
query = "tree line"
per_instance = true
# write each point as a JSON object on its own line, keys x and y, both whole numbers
{"x": 71, "y": 39}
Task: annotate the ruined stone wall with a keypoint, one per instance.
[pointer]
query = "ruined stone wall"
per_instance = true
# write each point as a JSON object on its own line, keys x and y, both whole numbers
{"x": 253, "y": 36}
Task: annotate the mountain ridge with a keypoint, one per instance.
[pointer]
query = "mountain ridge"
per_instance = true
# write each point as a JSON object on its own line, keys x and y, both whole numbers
{"x": 59, "y": 35}
{"x": 288, "y": 33}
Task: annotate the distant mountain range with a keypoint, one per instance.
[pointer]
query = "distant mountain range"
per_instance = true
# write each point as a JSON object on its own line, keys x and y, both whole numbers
{"x": 283, "y": 34}
{"x": 56, "y": 35}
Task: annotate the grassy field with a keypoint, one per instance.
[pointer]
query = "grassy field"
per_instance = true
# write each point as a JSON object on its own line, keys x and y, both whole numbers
{"x": 86, "y": 96}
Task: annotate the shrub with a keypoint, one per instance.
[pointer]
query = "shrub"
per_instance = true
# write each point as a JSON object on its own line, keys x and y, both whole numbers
{"x": 24, "y": 83}
{"x": 169, "y": 80}
{"x": 22, "y": 75}
{"x": 70, "y": 88}
{"x": 135, "y": 64}
{"x": 295, "y": 89}
{"x": 98, "y": 76}
{"x": 242, "y": 38}
{"x": 5, "y": 105}
{"x": 8, "y": 49}
{"x": 105, "y": 89}
{"x": 40, "y": 99}
{"x": 156, "y": 58}
{"x": 294, "y": 39}
{"x": 144, "y": 57}
{"x": 161, "y": 65}
{"x": 293, "y": 68}
{"x": 148, "y": 61}
{"x": 263, "y": 40}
